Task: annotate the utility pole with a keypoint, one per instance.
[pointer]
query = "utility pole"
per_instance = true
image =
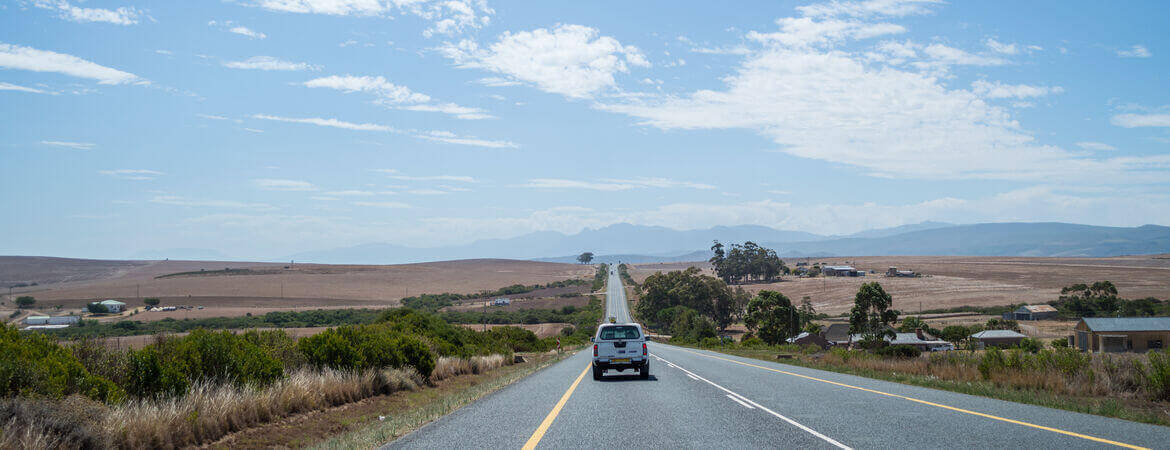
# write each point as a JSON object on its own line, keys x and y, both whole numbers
{"x": 485, "y": 315}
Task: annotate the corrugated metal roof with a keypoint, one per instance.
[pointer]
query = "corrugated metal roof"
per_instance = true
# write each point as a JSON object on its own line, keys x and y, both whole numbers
{"x": 1128, "y": 323}
{"x": 1039, "y": 308}
{"x": 997, "y": 334}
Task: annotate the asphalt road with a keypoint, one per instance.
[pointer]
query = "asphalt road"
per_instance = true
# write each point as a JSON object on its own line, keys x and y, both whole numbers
{"x": 697, "y": 399}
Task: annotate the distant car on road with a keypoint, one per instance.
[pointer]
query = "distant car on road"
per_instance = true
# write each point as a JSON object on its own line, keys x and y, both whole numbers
{"x": 620, "y": 347}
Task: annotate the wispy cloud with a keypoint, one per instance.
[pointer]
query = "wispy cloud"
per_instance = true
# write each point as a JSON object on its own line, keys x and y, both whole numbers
{"x": 270, "y": 63}
{"x": 389, "y": 205}
{"x": 1141, "y": 120}
{"x": 1137, "y": 51}
{"x": 394, "y": 96}
{"x": 1098, "y": 146}
{"x": 120, "y": 16}
{"x": 394, "y": 174}
{"x": 28, "y": 58}
{"x": 451, "y": 138}
{"x": 232, "y": 204}
{"x": 13, "y": 87}
{"x": 334, "y": 123}
{"x": 272, "y": 184}
{"x": 132, "y": 174}
{"x": 73, "y": 145}
{"x": 610, "y": 184}
{"x": 232, "y": 27}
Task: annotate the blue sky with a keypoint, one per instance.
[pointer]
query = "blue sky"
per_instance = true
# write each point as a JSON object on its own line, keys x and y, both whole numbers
{"x": 261, "y": 128}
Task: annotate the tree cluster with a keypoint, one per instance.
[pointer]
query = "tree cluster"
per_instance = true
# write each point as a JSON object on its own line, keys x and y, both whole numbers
{"x": 708, "y": 296}
{"x": 871, "y": 314}
{"x": 747, "y": 262}
{"x": 1100, "y": 299}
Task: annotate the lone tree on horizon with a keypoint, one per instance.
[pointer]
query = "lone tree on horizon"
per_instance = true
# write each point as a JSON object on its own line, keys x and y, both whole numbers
{"x": 871, "y": 314}
{"x": 150, "y": 301}
{"x": 585, "y": 258}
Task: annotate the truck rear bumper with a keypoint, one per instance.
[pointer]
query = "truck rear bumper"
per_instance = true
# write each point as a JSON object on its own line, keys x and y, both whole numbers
{"x": 633, "y": 364}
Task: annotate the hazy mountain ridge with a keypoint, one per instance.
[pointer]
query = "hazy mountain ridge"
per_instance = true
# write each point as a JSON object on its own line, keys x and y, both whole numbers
{"x": 632, "y": 243}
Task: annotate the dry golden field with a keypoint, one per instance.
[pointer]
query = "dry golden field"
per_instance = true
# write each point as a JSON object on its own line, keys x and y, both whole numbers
{"x": 262, "y": 287}
{"x": 950, "y": 281}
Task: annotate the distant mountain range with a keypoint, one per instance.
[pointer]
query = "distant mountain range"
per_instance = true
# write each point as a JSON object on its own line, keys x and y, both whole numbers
{"x": 635, "y": 244}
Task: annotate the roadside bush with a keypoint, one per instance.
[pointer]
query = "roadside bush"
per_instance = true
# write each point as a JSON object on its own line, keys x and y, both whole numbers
{"x": 1031, "y": 345}
{"x": 518, "y": 339}
{"x": 709, "y": 342}
{"x": 898, "y": 351}
{"x": 34, "y": 365}
{"x": 1156, "y": 375}
{"x": 170, "y": 366}
{"x": 1059, "y": 343}
{"x": 362, "y": 347}
{"x": 568, "y": 331}
{"x": 752, "y": 342}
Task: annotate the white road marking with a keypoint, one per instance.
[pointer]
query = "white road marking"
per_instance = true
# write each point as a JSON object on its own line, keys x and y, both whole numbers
{"x": 692, "y": 377}
{"x": 757, "y": 405}
{"x": 745, "y": 405}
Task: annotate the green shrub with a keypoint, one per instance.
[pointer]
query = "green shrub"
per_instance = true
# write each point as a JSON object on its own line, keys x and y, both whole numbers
{"x": 1156, "y": 376}
{"x": 1059, "y": 343}
{"x": 149, "y": 375}
{"x": 709, "y": 342}
{"x": 752, "y": 342}
{"x": 35, "y": 365}
{"x": 993, "y": 360}
{"x": 898, "y": 351}
{"x": 1030, "y": 345}
{"x": 361, "y": 347}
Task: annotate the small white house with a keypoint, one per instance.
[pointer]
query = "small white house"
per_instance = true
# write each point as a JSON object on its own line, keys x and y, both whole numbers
{"x": 36, "y": 320}
{"x": 51, "y": 320}
{"x": 113, "y": 306}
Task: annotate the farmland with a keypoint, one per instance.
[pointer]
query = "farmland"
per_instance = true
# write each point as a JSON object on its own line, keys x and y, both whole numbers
{"x": 257, "y": 288}
{"x": 951, "y": 281}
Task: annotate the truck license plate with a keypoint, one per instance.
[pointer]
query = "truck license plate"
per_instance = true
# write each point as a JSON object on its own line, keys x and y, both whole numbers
{"x": 621, "y": 361}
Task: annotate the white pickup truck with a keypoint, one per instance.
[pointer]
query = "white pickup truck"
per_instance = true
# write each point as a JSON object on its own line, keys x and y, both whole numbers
{"x": 620, "y": 347}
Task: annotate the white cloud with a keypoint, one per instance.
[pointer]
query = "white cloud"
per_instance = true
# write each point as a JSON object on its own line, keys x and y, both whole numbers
{"x": 231, "y": 204}
{"x": 1000, "y": 47}
{"x": 996, "y": 89}
{"x": 440, "y": 136}
{"x": 120, "y": 16}
{"x": 272, "y": 184}
{"x": 571, "y": 60}
{"x": 393, "y": 174}
{"x": 27, "y": 58}
{"x": 1099, "y": 146}
{"x": 807, "y": 32}
{"x": 253, "y": 130}
{"x": 212, "y": 117}
{"x": 389, "y": 205}
{"x": 13, "y": 87}
{"x": 610, "y": 184}
{"x": 451, "y": 138}
{"x": 245, "y": 31}
{"x": 350, "y": 193}
{"x": 818, "y": 101}
{"x": 394, "y": 96}
{"x": 427, "y": 192}
{"x": 73, "y": 145}
{"x": 327, "y": 123}
{"x": 1141, "y": 120}
{"x": 870, "y": 8}
{"x": 1137, "y": 51}
{"x": 132, "y": 174}
{"x": 446, "y": 16}
{"x": 270, "y": 63}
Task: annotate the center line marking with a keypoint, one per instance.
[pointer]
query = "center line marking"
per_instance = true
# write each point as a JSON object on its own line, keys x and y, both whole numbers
{"x": 924, "y": 402}
{"x": 552, "y": 415}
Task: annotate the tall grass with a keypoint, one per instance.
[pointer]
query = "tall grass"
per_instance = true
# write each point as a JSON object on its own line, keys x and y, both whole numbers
{"x": 208, "y": 411}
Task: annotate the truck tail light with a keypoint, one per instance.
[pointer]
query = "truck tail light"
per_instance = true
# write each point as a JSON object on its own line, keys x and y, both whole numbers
{"x": 643, "y": 349}
{"x": 594, "y": 349}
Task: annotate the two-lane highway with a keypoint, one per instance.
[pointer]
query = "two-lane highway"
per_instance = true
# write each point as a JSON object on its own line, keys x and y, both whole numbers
{"x": 699, "y": 399}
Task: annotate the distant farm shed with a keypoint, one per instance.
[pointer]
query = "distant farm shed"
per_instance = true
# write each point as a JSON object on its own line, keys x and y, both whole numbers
{"x": 842, "y": 271}
{"x": 51, "y": 320}
{"x": 1034, "y": 312}
{"x": 1122, "y": 334}
{"x": 998, "y": 338}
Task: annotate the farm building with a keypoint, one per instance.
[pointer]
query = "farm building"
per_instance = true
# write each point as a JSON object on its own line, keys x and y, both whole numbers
{"x": 1034, "y": 312}
{"x": 998, "y": 338}
{"x": 51, "y": 320}
{"x": 112, "y": 306}
{"x": 807, "y": 338}
{"x": 919, "y": 340}
{"x": 894, "y": 272}
{"x": 837, "y": 334}
{"x": 1122, "y": 334}
{"x": 842, "y": 271}
{"x": 502, "y": 302}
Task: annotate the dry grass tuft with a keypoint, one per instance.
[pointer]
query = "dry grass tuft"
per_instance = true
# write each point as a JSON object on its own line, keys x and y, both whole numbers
{"x": 448, "y": 367}
{"x": 208, "y": 412}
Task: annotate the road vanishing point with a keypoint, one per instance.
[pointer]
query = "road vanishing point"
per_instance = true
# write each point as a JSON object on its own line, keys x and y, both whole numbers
{"x": 704, "y": 399}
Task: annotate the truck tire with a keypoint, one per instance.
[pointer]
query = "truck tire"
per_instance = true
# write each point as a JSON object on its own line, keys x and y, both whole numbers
{"x": 597, "y": 373}
{"x": 644, "y": 371}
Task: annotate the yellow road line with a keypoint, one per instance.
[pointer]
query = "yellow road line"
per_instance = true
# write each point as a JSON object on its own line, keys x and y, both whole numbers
{"x": 552, "y": 415}
{"x": 924, "y": 402}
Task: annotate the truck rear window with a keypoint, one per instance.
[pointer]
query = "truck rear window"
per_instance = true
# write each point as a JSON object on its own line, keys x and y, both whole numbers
{"x": 620, "y": 332}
